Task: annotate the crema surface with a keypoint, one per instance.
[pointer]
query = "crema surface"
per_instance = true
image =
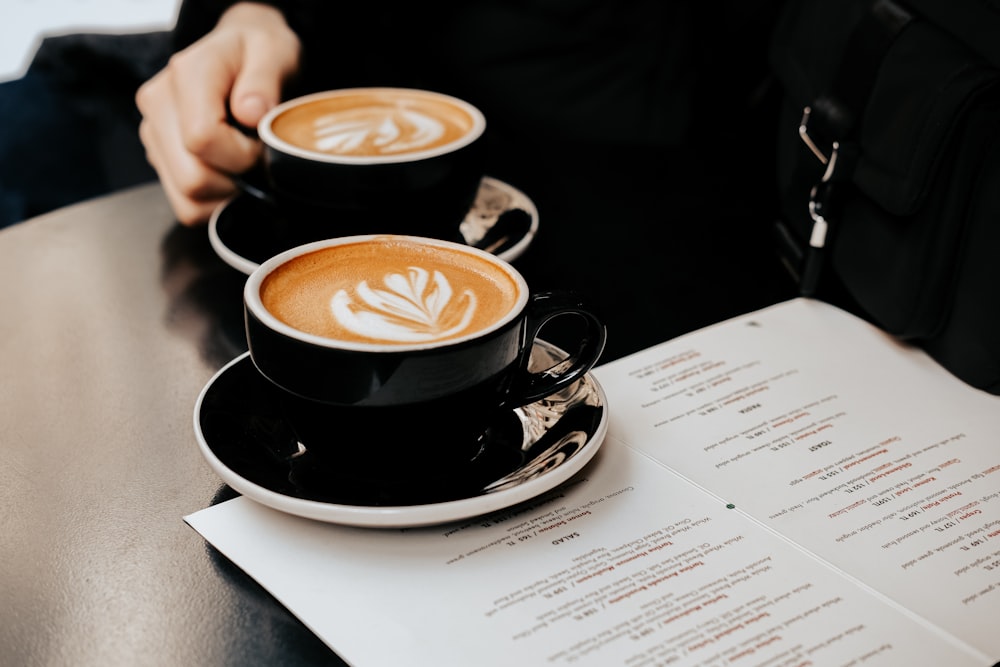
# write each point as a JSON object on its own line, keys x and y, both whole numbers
{"x": 373, "y": 124}
{"x": 389, "y": 292}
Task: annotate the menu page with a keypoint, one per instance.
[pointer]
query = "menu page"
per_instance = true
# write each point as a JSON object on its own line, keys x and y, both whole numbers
{"x": 626, "y": 565}
{"x": 694, "y": 537}
{"x": 859, "y": 449}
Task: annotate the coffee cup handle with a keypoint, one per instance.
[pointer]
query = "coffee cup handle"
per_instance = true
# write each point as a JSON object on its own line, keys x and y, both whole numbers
{"x": 530, "y": 386}
{"x": 254, "y": 183}
{"x": 254, "y": 180}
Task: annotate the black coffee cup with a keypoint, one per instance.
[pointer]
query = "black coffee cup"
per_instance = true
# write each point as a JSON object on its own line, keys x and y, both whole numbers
{"x": 370, "y": 160}
{"x": 393, "y": 355}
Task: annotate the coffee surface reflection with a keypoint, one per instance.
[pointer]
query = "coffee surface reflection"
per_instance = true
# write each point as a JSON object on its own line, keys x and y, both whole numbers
{"x": 390, "y": 292}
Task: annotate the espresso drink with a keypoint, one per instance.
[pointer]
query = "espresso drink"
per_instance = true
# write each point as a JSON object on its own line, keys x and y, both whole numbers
{"x": 370, "y": 123}
{"x": 392, "y": 291}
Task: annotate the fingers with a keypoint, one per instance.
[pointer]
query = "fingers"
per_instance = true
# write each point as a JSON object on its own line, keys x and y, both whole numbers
{"x": 185, "y": 129}
{"x": 200, "y": 81}
{"x": 192, "y": 186}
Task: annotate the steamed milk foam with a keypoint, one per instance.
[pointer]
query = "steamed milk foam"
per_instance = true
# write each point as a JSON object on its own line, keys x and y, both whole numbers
{"x": 373, "y": 123}
{"x": 389, "y": 292}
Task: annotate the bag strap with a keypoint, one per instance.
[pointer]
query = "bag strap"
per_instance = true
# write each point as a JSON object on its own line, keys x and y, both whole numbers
{"x": 827, "y": 124}
{"x": 835, "y": 113}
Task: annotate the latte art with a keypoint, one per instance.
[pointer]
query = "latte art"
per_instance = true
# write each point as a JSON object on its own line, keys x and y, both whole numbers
{"x": 416, "y": 307}
{"x": 388, "y": 290}
{"x": 376, "y": 132}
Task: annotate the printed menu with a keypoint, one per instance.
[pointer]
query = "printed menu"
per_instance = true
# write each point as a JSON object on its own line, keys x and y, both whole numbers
{"x": 789, "y": 487}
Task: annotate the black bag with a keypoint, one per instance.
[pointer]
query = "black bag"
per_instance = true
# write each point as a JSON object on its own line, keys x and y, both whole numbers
{"x": 889, "y": 168}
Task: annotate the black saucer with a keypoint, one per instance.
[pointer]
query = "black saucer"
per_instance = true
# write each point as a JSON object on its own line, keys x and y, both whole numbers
{"x": 528, "y": 451}
{"x": 245, "y": 230}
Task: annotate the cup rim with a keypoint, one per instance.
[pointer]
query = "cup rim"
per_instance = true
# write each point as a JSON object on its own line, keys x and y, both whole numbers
{"x": 272, "y": 140}
{"x": 253, "y": 302}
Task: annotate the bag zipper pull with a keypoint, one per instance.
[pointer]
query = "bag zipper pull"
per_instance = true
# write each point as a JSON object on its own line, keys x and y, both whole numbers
{"x": 819, "y": 198}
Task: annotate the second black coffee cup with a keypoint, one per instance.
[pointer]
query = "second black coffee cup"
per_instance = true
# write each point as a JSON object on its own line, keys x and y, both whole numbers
{"x": 371, "y": 160}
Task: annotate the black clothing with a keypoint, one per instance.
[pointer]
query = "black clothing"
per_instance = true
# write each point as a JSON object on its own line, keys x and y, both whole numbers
{"x": 629, "y": 72}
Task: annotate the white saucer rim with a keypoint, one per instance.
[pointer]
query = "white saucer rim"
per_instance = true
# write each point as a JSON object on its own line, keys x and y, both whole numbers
{"x": 408, "y": 516}
{"x": 238, "y": 262}
{"x": 246, "y": 266}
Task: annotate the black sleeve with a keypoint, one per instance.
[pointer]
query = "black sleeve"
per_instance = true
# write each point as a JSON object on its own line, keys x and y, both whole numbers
{"x": 196, "y": 18}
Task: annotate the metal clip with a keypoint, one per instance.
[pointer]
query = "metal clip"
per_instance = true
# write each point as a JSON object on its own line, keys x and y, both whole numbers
{"x": 808, "y": 140}
{"x": 819, "y": 198}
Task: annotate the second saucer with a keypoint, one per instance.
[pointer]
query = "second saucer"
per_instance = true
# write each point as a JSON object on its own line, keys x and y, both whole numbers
{"x": 245, "y": 231}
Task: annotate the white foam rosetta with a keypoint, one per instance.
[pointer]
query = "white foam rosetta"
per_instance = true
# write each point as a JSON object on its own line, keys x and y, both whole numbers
{"x": 380, "y": 131}
{"x": 414, "y": 307}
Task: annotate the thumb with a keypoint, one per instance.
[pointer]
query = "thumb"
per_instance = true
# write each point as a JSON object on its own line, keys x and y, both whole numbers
{"x": 266, "y": 52}
{"x": 256, "y": 90}
{"x": 254, "y": 94}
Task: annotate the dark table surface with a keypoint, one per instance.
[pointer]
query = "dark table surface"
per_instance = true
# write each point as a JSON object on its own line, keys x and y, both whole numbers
{"x": 113, "y": 319}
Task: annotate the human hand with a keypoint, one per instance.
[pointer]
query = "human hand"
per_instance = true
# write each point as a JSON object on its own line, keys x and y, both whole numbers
{"x": 240, "y": 65}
